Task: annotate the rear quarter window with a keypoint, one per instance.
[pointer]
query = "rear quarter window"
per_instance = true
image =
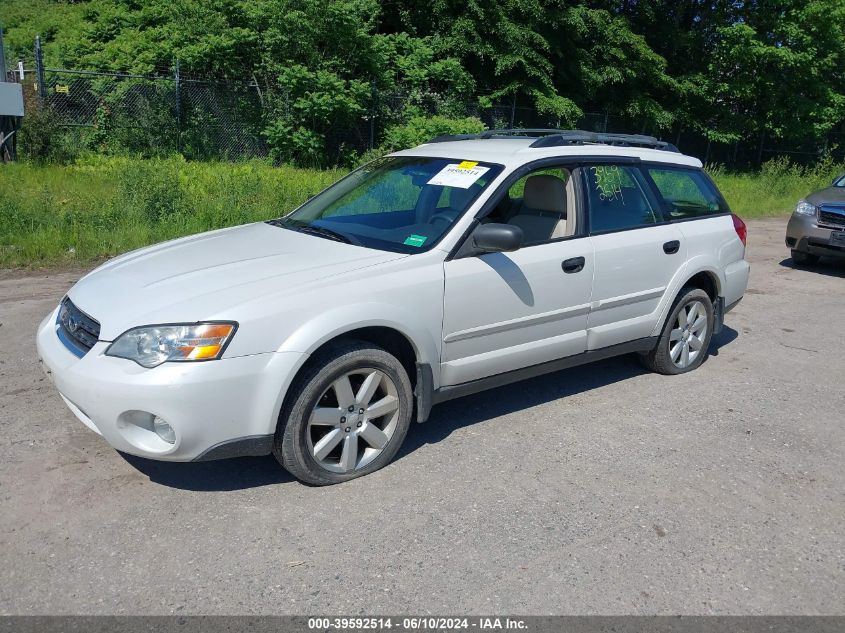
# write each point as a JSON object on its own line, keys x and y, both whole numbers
{"x": 687, "y": 193}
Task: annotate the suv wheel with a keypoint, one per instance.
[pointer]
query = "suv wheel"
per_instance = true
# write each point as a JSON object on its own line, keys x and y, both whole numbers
{"x": 800, "y": 258}
{"x": 686, "y": 335}
{"x": 347, "y": 415}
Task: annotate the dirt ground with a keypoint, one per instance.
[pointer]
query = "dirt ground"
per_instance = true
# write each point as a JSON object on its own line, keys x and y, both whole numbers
{"x": 601, "y": 489}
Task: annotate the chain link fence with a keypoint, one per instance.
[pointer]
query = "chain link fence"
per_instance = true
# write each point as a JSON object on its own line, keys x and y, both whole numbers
{"x": 223, "y": 120}
{"x": 153, "y": 115}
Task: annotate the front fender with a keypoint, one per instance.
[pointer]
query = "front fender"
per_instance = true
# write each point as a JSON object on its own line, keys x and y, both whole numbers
{"x": 417, "y": 328}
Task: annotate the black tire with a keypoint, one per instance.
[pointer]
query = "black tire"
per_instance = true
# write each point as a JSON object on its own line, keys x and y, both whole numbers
{"x": 290, "y": 445}
{"x": 659, "y": 359}
{"x": 800, "y": 258}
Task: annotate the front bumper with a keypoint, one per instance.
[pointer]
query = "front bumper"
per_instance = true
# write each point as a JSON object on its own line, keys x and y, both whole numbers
{"x": 216, "y": 408}
{"x": 804, "y": 234}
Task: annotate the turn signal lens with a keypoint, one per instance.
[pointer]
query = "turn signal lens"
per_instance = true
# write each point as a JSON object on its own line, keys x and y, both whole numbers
{"x": 207, "y": 343}
{"x": 152, "y": 345}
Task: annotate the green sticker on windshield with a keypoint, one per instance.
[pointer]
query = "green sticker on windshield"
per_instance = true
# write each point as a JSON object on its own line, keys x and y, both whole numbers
{"x": 415, "y": 240}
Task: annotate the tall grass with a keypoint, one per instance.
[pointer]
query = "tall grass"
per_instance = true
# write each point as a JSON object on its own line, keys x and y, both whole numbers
{"x": 776, "y": 188}
{"x": 100, "y": 207}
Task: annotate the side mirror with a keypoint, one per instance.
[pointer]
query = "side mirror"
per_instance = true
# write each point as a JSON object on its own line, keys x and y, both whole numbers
{"x": 497, "y": 238}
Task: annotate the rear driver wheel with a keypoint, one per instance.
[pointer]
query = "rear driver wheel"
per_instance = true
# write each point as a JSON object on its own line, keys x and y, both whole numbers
{"x": 683, "y": 343}
{"x": 347, "y": 415}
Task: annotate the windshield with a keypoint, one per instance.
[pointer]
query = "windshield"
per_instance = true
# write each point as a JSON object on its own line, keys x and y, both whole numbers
{"x": 840, "y": 182}
{"x": 403, "y": 204}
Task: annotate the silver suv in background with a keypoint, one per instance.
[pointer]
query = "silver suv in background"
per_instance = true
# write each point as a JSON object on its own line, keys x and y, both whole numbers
{"x": 817, "y": 227}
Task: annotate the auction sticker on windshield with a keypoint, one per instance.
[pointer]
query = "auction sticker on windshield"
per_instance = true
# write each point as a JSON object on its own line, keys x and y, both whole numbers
{"x": 461, "y": 175}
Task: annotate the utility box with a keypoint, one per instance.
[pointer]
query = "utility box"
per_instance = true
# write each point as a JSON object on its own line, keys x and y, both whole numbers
{"x": 11, "y": 99}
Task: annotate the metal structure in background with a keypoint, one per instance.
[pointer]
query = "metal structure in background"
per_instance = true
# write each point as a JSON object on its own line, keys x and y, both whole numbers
{"x": 39, "y": 71}
{"x": 2, "y": 57}
{"x": 11, "y": 109}
{"x": 178, "y": 104}
{"x": 223, "y": 120}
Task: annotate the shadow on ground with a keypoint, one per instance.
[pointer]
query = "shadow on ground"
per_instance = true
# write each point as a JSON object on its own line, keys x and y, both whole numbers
{"x": 252, "y": 472}
{"x": 727, "y": 336}
{"x": 456, "y": 414}
{"x": 825, "y": 266}
{"x": 217, "y": 476}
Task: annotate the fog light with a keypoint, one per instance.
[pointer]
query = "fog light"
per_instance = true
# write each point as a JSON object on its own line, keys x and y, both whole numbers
{"x": 164, "y": 430}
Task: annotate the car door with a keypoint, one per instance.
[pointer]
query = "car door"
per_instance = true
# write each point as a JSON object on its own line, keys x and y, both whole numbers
{"x": 506, "y": 311}
{"x": 637, "y": 254}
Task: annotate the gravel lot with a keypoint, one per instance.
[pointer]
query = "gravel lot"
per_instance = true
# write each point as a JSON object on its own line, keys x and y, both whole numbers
{"x": 602, "y": 489}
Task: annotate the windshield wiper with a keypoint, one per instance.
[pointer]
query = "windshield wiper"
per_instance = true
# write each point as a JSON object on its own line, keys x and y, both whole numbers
{"x": 319, "y": 231}
{"x": 282, "y": 222}
{"x": 322, "y": 231}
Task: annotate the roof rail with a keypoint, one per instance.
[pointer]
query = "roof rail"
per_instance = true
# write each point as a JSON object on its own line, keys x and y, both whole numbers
{"x": 557, "y": 138}
{"x": 579, "y": 137}
{"x": 499, "y": 133}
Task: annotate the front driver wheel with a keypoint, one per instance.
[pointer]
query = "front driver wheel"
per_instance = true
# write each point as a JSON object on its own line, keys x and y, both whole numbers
{"x": 683, "y": 343}
{"x": 347, "y": 415}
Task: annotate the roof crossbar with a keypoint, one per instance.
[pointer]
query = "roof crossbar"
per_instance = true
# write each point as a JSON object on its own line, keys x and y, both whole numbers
{"x": 557, "y": 138}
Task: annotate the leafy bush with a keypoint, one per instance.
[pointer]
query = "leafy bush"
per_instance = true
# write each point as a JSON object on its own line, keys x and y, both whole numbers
{"x": 43, "y": 140}
{"x": 133, "y": 117}
{"x": 297, "y": 145}
{"x": 420, "y": 129}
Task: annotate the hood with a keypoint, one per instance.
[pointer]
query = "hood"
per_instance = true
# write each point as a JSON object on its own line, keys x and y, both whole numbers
{"x": 206, "y": 276}
{"x": 835, "y": 195}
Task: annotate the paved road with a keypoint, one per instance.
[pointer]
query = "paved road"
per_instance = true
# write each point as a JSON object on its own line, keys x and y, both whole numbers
{"x": 594, "y": 490}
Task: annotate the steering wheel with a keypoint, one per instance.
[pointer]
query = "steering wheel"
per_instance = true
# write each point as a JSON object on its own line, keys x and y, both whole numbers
{"x": 446, "y": 217}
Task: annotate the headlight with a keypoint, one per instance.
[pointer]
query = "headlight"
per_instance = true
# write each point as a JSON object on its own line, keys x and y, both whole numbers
{"x": 805, "y": 208}
{"x": 152, "y": 345}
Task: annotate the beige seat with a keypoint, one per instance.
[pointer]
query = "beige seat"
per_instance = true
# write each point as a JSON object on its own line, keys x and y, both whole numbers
{"x": 542, "y": 215}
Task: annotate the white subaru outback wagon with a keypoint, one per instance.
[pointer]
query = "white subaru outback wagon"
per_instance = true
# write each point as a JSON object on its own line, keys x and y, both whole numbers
{"x": 466, "y": 263}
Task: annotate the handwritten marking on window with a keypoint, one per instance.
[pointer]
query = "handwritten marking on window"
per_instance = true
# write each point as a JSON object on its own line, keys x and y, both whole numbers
{"x": 608, "y": 179}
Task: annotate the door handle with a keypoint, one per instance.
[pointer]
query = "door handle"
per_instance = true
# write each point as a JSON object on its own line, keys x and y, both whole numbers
{"x": 573, "y": 265}
{"x": 670, "y": 248}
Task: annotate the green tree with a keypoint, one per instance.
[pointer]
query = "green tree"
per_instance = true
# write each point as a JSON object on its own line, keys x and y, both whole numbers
{"x": 500, "y": 43}
{"x": 328, "y": 70}
{"x": 604, "y": 65}
{"x": 779, "y": 71}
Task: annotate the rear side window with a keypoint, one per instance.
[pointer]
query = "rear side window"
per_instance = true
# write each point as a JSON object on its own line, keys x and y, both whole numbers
{"x": 617, "y": 199}
{"x": 688, "y": 193}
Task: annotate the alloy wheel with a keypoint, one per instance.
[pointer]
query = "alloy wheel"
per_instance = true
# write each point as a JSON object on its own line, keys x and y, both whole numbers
{"x": 353, "y": 420}
{"x": 686, "y": 340}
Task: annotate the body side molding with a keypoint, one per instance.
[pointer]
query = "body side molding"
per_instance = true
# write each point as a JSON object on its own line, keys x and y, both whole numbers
{"x": 427, "y": 396}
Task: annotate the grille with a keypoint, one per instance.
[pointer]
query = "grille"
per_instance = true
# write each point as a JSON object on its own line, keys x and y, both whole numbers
{"x": 77, "y": 330}
{"x": 832, "y": 216}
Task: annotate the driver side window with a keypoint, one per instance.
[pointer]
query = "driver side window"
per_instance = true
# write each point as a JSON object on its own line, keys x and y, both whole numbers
{"x": 541, "y": 203}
